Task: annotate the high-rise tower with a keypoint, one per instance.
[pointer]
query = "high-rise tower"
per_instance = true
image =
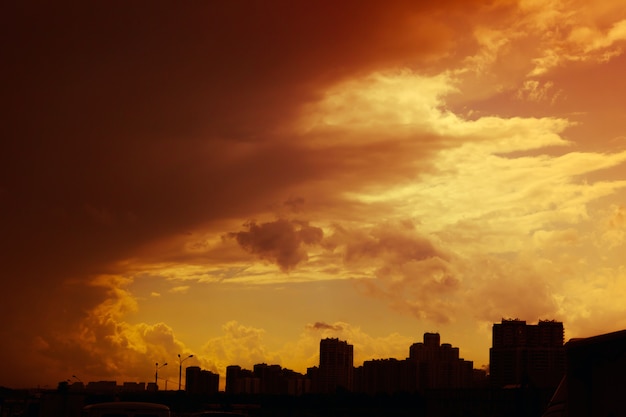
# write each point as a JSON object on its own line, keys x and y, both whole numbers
{"x": 439, "y": 365}
{"x": 523, "y": 354}
{"x": 336, "y": 368}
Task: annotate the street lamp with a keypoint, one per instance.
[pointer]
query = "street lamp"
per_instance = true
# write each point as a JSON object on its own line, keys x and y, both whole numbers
{"x": 156, "y": 373}
{"x": 180, "y": 367}
{"x": 76, "y": 385}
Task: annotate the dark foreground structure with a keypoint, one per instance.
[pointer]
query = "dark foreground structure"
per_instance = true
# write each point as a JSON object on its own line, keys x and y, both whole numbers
{"x": 595, "y": 378}
{"x": 487, "y": 402}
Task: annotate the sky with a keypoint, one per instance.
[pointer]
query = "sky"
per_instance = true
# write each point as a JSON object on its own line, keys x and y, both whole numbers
{"x": 237, "y": 180}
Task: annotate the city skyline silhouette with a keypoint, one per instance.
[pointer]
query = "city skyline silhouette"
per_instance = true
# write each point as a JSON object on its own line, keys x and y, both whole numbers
{"x": 533, "y": 373}
{"x": 510, "y": 337}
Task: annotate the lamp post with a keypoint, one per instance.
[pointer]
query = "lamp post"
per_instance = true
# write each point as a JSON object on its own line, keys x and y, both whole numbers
{"x": 76, "y": 385}
{"x": 180, "y": 367}
{"x": 156, "y": 373}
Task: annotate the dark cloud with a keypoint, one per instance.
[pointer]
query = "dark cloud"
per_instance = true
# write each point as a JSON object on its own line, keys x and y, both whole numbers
{"x": 324, "y": 326}
{"x": 280, "y": 241}
{"x": 294, "y": 203}
{"x": 398, "y": 242}
{"x": 128, "y": 124}
{"x": 413, "y": 273}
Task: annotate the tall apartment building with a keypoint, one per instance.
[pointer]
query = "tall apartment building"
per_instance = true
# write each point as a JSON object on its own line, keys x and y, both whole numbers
{"x": 527, "y": 354}
{"x": 270, "y": 378}
{"x": 199, "y": 381}
{"x": 266, "y": 379}
{"x": 241, "y": 381}
{"x": 439, "y": 364}
{"x": 386, "y": 376}
{"x": 336, "y": 370}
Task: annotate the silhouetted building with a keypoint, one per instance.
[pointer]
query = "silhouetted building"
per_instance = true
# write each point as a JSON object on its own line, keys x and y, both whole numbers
{"x": 296, "y": 383}
{"x": 232, "y": 374}
{"x": 199, "y": 381}
{"x": 241, "y": 381}
{"x": 526, "y": 354}
{"x": 594, "y": 381}
{"x": 480, "y": 378}
{"x": 273, "y": 379}
{"x": 432, "y": 340}
{"x": 386, "y": 376}
{"x": 336, "y": 370}
{"x": 270, "y": 378}
{"x": 313, "y": 374}
{"x": 439, "y": 365}
{"x": 133, "y": 386}
{"x": 77, "y": 387}
{"x": 101, "y": 387}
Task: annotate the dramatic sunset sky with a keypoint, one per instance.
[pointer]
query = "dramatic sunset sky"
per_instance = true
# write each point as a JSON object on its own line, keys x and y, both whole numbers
{"x": 239, "y": 179}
